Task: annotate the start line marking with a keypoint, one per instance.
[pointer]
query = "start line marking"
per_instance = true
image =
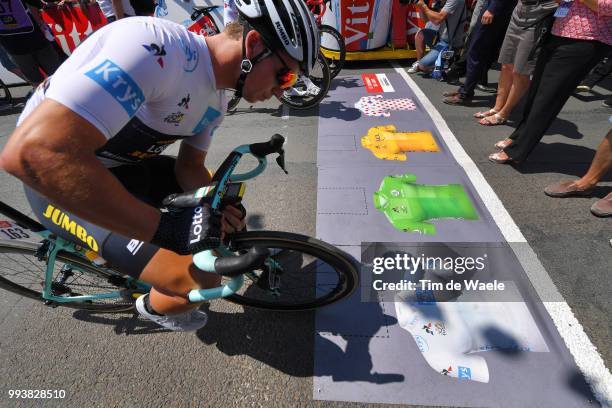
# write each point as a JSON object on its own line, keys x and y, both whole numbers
{"x": 587, "y": 358}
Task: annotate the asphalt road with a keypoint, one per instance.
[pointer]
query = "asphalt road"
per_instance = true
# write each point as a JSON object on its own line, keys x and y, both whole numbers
{"x": 245, "y": 357}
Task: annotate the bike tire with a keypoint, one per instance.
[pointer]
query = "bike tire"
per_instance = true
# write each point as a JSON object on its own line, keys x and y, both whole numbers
{"x": 325, "y": 257}
{"x": 307, "y": 102}
{"x": 335, "y": 65}
{"x": 24, "y": 248}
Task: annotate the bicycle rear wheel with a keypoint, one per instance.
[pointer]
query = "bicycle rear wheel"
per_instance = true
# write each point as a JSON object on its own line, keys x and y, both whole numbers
{"x": 302, "y": 273}
{"x": 309, "y": 91}
{"x": 23, "y": 272}
{"x": 332, "y": 43}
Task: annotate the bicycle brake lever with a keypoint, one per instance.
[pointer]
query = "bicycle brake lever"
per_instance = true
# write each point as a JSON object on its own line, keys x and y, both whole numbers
{"x": 281, "y": 161}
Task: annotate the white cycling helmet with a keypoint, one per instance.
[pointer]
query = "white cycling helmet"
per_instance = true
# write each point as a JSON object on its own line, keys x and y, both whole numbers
{"x": 284, "y": 24}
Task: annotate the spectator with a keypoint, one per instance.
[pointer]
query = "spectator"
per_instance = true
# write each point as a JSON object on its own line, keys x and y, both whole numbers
{"x": 458, "y": 68}
{"x": 425, "y": 37}
{"x": 517, "y": 56}
{"x": 579, "y": 40}
{"x": 488, "y": 35}
{"x": 26, "y": 43}
{"x": 106, "y": 6}
{"x": 130, "y": 8}
{"x": 600, "y": 166}
{"x": 9, "y": 65}
{"x": 598, "y": 74}
{"x": 451, "y": 20}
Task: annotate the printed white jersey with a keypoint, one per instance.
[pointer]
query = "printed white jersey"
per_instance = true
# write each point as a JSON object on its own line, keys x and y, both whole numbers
{"x": 144, "y": 83}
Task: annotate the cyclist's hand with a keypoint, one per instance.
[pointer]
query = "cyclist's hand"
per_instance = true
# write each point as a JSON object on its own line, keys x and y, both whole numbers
{"x": 233, "y": 219}
{"x": 189, "y": 230}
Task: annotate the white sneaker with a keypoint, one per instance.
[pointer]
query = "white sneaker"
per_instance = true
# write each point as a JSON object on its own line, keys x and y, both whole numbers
{"x": 188, "y": 321}
{"x": 414, "y": 68}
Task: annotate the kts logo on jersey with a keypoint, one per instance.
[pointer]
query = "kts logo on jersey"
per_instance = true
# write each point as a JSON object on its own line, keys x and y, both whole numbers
{"x": 356, "y": 22}
{"x": 156, "y": 51}
{"x": 119, "y": 85}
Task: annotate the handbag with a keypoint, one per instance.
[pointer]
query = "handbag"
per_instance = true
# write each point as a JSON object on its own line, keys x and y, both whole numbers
{"x": 447, "y": 54}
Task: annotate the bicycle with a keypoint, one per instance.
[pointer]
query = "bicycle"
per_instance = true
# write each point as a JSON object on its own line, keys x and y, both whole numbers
{"x": 263, "y": 269}
{"x": 333, "y": 46}
{"x": 307, "y": 93}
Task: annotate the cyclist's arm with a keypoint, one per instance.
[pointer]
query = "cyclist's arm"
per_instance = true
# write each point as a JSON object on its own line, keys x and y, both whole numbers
{"x": 190, "y": 170}
{"x": 53, "y": 152}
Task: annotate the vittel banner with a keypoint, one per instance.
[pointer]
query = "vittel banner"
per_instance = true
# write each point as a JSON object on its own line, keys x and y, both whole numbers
{"x": 363, "y": 23}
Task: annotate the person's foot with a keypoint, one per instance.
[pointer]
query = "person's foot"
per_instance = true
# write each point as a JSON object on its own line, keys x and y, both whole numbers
{"x": 500, "y": 158}
{"x": 486, "y": 88}
{"x": 457, "y": 99}
{"x": 502, "y": 144}
{"x": 450, "y": 93}
{"x": 583, "y": 88}
{"x": 187, "y": 321}
{"x": 493, "y": 120}
{"x": 603, "y": 207}
{"x": 414, "y": 68}
{"x": 567, "y": 189}
{"x": 484, "y": 114}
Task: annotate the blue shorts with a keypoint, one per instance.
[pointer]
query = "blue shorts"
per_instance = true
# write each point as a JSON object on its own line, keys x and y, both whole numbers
{"x": 429, "y": 36}
{"x": 429, "y": 60}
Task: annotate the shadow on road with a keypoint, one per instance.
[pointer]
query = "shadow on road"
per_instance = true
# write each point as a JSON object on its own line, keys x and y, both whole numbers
{"x": 127, "y": 324}
{"x": 559, "y": 158}
{"x": 284, "y": 341}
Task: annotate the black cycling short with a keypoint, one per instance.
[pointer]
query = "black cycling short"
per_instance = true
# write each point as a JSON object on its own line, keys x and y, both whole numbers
{"x": 151, "y": 180}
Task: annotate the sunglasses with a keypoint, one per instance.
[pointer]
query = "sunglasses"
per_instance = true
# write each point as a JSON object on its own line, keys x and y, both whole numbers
{"x": 286, "y": 77}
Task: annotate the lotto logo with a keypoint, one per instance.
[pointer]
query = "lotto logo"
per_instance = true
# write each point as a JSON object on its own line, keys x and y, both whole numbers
{"x": 119, "y": 85}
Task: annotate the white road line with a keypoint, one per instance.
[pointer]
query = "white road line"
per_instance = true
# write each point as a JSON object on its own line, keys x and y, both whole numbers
{"x": 285, "y": 112}
{"x": 587, "y": 358}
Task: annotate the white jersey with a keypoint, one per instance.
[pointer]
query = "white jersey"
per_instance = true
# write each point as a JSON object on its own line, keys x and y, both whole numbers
{"x": 144, "y": 83}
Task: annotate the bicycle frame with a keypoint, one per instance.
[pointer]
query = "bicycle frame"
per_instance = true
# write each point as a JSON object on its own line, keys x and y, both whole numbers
{"x": 204, "y": 260}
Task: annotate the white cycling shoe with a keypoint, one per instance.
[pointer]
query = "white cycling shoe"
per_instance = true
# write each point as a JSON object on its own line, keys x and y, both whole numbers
{"x": 188, "y": 321}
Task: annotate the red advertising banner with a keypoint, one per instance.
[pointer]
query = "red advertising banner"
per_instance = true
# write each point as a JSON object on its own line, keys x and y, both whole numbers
{"x": 414, "y": 23}
{"x": 71, "y": 24}
{"x": 204, "y": 25}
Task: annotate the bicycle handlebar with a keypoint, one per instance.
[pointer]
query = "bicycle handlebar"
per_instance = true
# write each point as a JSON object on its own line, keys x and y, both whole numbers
{"x": 229, "y": 264}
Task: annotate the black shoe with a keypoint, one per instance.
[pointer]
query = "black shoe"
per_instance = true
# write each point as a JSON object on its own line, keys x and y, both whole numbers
{"x": 486, "y": 88}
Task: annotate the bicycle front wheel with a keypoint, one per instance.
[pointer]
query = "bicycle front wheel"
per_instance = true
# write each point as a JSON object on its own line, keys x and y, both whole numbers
{"x": 22, "y": 271}
{"x": 334, "y": 49}
{"x": 309, "y": 91}
{"x": 302, "y": 273}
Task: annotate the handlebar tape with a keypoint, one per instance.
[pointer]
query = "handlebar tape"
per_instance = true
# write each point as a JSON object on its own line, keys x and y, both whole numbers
{"x": 237, "y": 265}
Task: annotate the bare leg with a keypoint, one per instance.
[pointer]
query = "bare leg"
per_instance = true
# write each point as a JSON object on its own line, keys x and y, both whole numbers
{"x": 419, "y": 45}
{"x": 520, "y": 85}
{"x": 177, "y": 275}
{"x": 504, "y": 86}
{"x": 601, "y": 164}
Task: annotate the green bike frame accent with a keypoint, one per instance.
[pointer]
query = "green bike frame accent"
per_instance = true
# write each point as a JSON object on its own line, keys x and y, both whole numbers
{"x": 408, "y": 205}
{"x": 204, "y": 260}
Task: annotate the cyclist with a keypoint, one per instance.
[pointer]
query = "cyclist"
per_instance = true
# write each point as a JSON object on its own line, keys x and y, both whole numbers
{"x": 88, "y": 143}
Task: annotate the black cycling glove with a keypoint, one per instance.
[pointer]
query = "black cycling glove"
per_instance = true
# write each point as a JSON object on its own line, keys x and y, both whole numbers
{"x": 188, "y": 230}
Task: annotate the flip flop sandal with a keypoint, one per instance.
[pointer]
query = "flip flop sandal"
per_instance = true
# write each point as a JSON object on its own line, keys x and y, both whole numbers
{"x": 489, "y": 122}
{"x": 502, "y": 144}
{"x": 482, "y": 115}
{"x": 497, "y": 158}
